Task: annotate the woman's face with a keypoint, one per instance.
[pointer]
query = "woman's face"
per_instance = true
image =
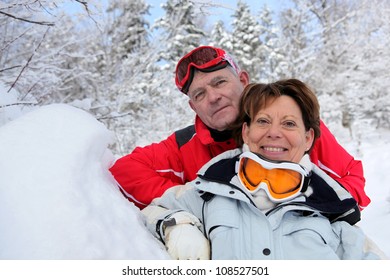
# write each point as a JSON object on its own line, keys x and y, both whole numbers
{"x": 277, "y": 131}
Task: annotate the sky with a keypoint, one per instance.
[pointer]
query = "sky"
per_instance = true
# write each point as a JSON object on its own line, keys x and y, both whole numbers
{"x": 224, "y": 8}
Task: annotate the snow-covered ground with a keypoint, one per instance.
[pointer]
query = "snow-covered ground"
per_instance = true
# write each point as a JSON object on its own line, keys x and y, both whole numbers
{"x": 58, "y": 201}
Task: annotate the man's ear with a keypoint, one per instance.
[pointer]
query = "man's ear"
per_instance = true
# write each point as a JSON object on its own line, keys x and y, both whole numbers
{"x": 244, "y": 78}
{"x": 192, "y": 105}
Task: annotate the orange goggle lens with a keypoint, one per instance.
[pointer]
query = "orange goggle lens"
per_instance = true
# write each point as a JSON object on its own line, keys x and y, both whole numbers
{"x": 280, "y": 183}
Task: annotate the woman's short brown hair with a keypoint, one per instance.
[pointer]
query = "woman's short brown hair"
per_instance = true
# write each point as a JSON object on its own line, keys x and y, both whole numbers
{"x": 256, "y": 95}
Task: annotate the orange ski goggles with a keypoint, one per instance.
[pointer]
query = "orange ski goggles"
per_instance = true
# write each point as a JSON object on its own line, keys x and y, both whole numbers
{"x": 205, "y": 59}
{"x": 281, "y": 180}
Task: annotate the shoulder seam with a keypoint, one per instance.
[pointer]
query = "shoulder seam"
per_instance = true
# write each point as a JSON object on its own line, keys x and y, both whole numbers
{"x": 184, "y": 135}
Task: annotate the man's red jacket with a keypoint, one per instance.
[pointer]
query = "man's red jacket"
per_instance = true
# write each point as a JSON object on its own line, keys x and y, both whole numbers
{"x": 147, "y": 172}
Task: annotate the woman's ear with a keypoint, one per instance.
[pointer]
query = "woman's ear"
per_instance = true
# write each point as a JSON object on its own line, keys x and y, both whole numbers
{"x": 309, "y": 139}
{"x": 245, "y": 132}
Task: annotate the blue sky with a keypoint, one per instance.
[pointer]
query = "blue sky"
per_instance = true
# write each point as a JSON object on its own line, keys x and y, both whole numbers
{"x": 226, "y": 10}
{"x": 223, "y": 12}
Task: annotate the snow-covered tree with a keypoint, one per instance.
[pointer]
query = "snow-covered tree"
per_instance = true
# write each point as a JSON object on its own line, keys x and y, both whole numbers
{"x": 347, "y": 48}
{"x": 180, "y": 28}
{"x": 246, "y": 42}
{"x": 38, "y": 46}
{"x": 220, "y": 37}
{"x": 129, "y": 28}
{"x": 295, "y": 45}
{"x": 274, "y": 60}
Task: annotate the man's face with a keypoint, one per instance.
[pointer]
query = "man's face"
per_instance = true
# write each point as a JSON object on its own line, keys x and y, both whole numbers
{"x": 215, "y": 96}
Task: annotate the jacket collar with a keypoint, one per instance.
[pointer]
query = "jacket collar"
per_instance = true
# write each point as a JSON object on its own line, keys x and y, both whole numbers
{"x": 323, "y": 194}
{"x": 203, "y": 132}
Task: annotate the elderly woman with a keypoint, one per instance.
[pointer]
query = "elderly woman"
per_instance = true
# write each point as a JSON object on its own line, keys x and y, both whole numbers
{"x": 265, "y": 200}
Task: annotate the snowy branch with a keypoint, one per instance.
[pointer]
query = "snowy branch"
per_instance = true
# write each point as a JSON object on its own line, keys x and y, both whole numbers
{"x": 18, "y": 104}
{"x": 29, "y": 60}
{"x": 28, "y": 20}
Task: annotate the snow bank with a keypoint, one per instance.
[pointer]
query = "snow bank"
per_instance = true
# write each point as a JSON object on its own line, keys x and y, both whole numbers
{"x": 57, "y": 198}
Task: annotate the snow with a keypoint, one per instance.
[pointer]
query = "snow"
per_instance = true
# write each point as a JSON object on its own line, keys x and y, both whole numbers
{"x": 57, "y": 197}
{"x": 58, "y": 200}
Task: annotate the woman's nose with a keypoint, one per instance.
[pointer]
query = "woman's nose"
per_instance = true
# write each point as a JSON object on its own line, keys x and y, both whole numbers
{"x": 274, "y": 131}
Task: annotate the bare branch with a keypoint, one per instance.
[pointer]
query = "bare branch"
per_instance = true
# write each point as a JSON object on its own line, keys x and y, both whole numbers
{"x": 9, "y": 68}
{"x": 17, "y": 104}
{"x": 27, "y": 20}
{"x": 113, "y": 117}
{"x": 85, "y": 4}
{"x": 29, "y": 60}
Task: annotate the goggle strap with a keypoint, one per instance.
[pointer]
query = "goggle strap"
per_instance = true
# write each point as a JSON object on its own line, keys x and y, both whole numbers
{"x": 306, "y": 182}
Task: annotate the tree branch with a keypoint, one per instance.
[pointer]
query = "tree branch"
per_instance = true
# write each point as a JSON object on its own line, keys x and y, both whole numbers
{"x": 17, "y": 104}
{"x": 29, "y": 60}
{"x": 27, "y": 20}
{"x": 9, "y": 68}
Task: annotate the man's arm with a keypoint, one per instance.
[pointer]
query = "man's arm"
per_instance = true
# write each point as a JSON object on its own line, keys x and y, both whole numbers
{"x": 147, "y": 172}
{"x": 330, "y": 156}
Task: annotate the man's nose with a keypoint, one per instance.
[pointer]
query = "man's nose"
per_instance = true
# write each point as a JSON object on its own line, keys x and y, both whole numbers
{"x": 214, "y": 95}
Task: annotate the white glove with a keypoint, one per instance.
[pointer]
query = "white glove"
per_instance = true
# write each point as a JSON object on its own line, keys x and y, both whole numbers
{"x": 184, "y": 240}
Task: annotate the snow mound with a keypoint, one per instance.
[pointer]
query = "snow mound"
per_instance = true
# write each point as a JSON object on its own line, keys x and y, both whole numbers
{"x": 57, "y": 197}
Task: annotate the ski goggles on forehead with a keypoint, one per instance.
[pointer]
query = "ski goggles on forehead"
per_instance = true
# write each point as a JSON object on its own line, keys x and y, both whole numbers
{"x": 281, "y": 180}
{"x": 205, "y": 59}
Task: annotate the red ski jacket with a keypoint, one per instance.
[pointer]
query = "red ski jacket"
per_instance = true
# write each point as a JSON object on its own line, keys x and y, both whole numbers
{"x": 147, "y": 172}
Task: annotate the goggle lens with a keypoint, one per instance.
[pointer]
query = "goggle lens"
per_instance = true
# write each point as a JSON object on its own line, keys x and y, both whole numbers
{"x": 281, "y": 183}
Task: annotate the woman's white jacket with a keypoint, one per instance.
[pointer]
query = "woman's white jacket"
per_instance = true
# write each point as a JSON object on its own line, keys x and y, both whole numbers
{"x": 316, "y": 225}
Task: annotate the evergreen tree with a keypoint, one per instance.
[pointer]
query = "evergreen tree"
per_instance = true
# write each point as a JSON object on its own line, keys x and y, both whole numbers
{"x": 273, "y": 59}
{"x": 246, "y": 42}
{"x": 295, "y": 44}
{"x": 129, "y": 28}
{"x": 220, "y": 37}
{"x": 180, "y": 28}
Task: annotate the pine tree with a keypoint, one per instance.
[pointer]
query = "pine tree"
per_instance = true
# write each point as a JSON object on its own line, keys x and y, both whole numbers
{"x": 129, "y": 29}
{"x": 220, "y": 37}
{"x": 181, "y": 29}
{"x": 246, "y": 42}
{"x": 273, "y": 58}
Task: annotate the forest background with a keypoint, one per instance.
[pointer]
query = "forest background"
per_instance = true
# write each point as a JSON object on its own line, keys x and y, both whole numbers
{"x": 112, "y": 59}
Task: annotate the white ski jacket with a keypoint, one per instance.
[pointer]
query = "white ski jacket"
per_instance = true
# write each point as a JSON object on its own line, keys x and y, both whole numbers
{"x": 317, "y": 225}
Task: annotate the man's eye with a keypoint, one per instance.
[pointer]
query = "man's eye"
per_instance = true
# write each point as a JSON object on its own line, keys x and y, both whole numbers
{"x": 219, "y": 82}
{"x": 198, "y": 96}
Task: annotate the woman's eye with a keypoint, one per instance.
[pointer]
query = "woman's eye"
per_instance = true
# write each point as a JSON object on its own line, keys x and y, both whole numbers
{"x": 262, "y": 121}
{"x": 289, "y": 124}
